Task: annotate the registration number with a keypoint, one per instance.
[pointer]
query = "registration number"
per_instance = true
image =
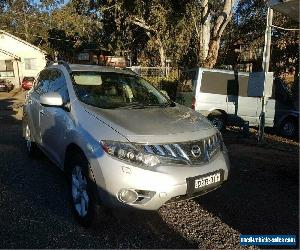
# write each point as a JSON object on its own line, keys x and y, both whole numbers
{"x": 207, "y": 180}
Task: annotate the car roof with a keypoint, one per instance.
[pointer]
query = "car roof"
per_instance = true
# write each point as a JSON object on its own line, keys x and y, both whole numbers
{"x": 97, "y": 68}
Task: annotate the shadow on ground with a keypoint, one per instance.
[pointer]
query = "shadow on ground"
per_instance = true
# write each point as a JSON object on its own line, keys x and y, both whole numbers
{"x": 36, "y": 211}
{"x": 262, "y": 195}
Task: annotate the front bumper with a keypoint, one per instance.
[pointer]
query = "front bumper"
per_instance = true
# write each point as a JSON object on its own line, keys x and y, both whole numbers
{"x": 158, "y": 186}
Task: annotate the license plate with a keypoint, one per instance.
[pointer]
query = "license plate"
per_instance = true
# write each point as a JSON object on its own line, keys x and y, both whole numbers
{"x": 208, "y": 180}
{"x": 204, "y": 182}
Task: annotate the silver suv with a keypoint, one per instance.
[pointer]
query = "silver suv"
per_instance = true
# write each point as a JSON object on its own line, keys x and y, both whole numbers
{"x": 121, "y": 142}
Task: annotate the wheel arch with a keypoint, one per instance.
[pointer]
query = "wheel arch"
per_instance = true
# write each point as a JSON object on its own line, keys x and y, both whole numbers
{"x": 218, "y": 112}
{"x": 223, "y": 112}
{"x": 71, "y": 149}
{"x": 291, "y": 116}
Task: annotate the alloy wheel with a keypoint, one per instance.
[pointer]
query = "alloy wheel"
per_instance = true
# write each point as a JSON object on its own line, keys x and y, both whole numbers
{"x": 79, "y": 191}
{"x": 28, "y": 138}
{"x": 288, "y": 128}
{"x": 217, "y": 123}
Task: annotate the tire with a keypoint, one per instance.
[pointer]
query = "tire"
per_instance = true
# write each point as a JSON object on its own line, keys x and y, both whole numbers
{"x": 289, "y": 128}
{"x": 218, "y": 120}
{"x": 83, "y": 191}
{"x": 31, "y": 146}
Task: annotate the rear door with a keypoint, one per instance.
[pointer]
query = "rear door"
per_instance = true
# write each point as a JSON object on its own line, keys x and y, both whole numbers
{"x": 247, "y": 106}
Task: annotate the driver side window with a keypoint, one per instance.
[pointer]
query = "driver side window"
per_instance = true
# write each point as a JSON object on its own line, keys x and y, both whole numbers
{"x": 52, "y": 80}
{"x": 43, "y": 82}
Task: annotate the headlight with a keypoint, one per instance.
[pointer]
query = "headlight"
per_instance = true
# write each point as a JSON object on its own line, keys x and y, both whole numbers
{"x": 130, "y": 153}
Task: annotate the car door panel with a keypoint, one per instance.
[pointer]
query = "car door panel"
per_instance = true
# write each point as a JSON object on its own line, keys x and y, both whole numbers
{"x": 33, "y": 116}
{"x": 54, "y": 120}
{"x": 52, "y": 131}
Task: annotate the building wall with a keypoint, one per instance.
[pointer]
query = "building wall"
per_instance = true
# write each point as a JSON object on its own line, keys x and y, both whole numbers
{"x": 32, "y": 59}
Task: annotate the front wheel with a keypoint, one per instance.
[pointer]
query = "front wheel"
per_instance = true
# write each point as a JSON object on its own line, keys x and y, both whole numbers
{"x": 289, "y": 128}
{"x": 30, "y": 144}
{"x": 218, "y": 120}
{"x": 84, "y": 196}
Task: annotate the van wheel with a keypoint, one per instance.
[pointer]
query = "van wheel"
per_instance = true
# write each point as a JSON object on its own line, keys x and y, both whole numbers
{"x": 83, "y": 190}
{"x": 218, "y": 120}
{"x": 30, "y": 144}
{"x": 289, "y": 128}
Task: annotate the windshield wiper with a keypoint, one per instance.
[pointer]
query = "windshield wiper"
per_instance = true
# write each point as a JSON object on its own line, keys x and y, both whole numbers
{"x": 139, "y": 105}
{"x": 167, "y": 104}
{"x": 132, "y": 106}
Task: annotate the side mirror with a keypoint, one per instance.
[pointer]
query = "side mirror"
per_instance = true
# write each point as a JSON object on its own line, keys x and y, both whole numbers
{"x": 51, "y": 99}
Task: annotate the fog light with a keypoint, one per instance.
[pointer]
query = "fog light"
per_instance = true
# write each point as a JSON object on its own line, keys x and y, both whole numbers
{"x": 127, "y": 195}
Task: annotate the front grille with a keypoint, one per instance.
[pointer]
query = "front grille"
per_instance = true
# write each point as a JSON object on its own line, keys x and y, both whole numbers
{"x": 192, "y": 152}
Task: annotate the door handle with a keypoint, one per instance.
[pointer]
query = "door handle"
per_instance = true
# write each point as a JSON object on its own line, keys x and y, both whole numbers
{"x": 42, "y": 112}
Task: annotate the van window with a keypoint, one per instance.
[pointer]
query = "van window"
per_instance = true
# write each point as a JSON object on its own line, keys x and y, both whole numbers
{"x": 215, "y": 82}
{"x": 224, "y": 83}
{"x": 233, "y": 87}
{"x": 186, "y": 88}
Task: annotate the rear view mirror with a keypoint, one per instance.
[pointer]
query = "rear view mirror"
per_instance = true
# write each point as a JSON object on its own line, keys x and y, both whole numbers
{"x": 51, "y": 99}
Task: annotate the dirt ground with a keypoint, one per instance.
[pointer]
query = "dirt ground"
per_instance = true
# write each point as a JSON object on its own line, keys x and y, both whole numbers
{"x": 261, "y": 197}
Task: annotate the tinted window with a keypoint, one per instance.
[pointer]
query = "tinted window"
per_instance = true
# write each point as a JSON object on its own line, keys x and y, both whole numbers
{"x": 232, "y": 87}
{"x": 52, "y": 80}
{"x": 115, "y": 90}
{"x": 60, "y": 85}
{"x": 46, "y": 78}
{"x": 29, "y": 79}
{"x": 280, "y": 92}
{"x": 224, "y": 83}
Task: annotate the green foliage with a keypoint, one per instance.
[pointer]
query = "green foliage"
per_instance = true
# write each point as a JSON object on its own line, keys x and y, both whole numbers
{"x": 169, "y": 84}
{"x": 151, "y": 31}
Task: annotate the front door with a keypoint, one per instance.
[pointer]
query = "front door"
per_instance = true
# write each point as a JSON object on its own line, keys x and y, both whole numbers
{"x": 54, "y": 120}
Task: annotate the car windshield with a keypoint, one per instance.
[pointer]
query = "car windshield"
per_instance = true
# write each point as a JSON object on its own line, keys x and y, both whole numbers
{"x": 110, "y": 90}
{"x": 28, "y": 79}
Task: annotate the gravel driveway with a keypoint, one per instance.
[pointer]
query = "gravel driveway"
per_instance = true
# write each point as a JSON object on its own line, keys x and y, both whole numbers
{"x": 262, "y": 197}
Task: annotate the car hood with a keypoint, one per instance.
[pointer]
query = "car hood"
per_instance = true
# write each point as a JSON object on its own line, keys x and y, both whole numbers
{"x": 155, "y": 125}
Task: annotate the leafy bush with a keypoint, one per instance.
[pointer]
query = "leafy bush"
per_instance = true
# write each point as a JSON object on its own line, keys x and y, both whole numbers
{"x": 164, "y": 83}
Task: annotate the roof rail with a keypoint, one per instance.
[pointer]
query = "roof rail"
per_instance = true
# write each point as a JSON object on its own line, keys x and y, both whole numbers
{"x": 60, "y": 62}
{"x": 65, "y": 64}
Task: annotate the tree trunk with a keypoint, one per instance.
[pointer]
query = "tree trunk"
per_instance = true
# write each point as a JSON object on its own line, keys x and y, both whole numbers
{"x": 162, "y": 53}
{"x": 217, "y": 31}
{"x": 211, "y": 59}
{"x": 204, "y": 34}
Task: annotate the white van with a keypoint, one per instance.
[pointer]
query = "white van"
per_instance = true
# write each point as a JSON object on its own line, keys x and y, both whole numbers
{"x": 221, "y": 95}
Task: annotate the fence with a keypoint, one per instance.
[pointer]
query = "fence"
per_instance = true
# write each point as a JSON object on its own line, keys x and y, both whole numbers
{"x": 152, "y": 71}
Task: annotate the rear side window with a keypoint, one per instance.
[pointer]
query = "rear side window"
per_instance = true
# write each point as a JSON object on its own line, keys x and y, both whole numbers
{"x": 224, "y": 83}
{"x": 29, "y": 79}
{"x": 215, "y": 82}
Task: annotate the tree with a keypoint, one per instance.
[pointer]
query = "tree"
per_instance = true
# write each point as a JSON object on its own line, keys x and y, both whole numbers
{"x": 209, "y": 21}
{"x": 285, "y": 44}
{"x": 154, "y": 18}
